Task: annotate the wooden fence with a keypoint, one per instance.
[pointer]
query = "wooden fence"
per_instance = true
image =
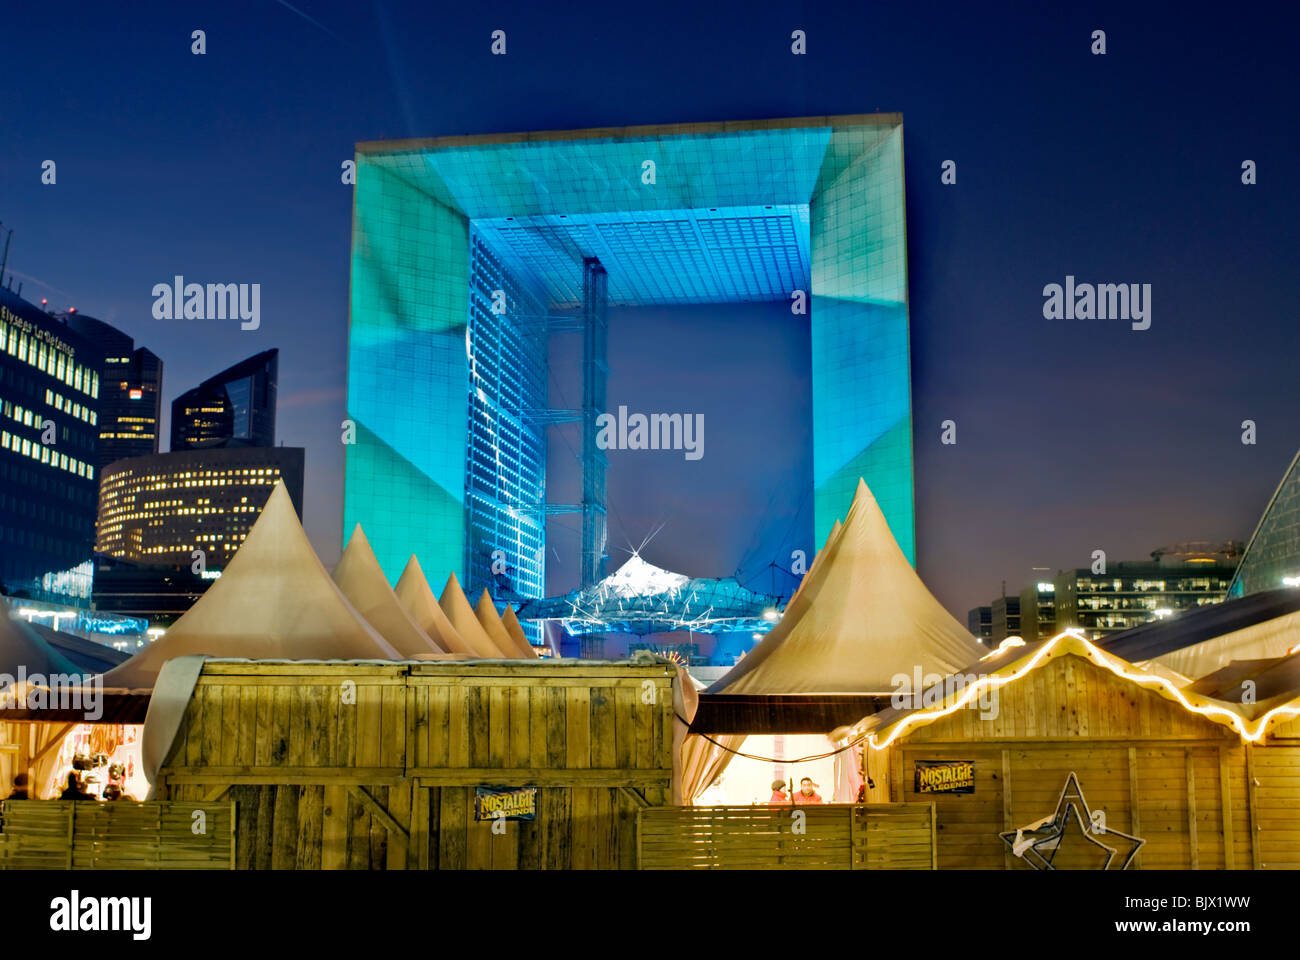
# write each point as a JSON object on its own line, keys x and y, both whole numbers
{"x": 58, "y": 835}
{"x": 882, "y": 836}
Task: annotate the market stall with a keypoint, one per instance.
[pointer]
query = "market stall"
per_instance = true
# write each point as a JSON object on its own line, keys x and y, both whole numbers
{"x": 1058, "y": 755}
{"x": 861, "y": 628}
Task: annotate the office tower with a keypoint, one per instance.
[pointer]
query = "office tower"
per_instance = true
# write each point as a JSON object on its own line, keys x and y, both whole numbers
{"x": 234, "y": 408}
{"x": 49, "y": 422}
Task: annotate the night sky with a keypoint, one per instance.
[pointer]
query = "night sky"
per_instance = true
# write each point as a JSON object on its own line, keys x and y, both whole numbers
{"x": 1072, "y": 435}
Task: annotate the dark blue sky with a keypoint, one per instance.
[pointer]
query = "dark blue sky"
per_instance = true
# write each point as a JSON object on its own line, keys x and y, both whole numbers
{"x": 1072, "y": 435}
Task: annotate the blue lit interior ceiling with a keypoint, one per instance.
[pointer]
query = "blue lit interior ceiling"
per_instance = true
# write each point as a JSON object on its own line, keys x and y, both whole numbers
{"x": 710, "y": 255}
{"x": 449, "y": 462}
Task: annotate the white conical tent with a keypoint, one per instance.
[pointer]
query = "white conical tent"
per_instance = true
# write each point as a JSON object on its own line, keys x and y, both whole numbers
{"x": 860, "y": 618}
{"x": 456, "y": 606}
{"x": 495, "y": 628}
{"x": 516, "y": 631}
{"x": 362, "y": 581}
{"x": 274, "y": 601}
{"x": 416, "y": 597}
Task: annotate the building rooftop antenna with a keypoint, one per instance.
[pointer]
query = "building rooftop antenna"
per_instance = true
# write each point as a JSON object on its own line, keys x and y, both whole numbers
{"x": 4, "y": 261}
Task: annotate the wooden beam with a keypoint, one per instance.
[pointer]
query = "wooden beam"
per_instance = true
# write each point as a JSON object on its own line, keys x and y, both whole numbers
{"x": 1006, "y": 811}
{"x": 54, "y": 741}
{"x": 637, "y": 799}
{"x": 373, "y": 805}
{"x": 1252, "y": 800}
{"x": 934, "y": 836}
{"x": 215, "y": 792}
{"x": 1225, "y": 811}
{"x": 1135, "y": 815}
{"x": 1191, "y": 810}
{"x": 334, "y": 830}
{"x": 896, "y": 785}
{"x": 545, "y": 777}
{"x": 296, "y": 776}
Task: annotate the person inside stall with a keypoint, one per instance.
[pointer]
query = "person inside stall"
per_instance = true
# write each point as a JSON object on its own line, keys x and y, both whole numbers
{"x": 74, "y": 791}
{"x": 20, "y": 788}
{"x": 779, "y": 794}
{"x": 808, "y": 792}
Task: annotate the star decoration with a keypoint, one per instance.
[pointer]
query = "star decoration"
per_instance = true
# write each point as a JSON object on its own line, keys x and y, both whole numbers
{"x": 1038, "y": 843}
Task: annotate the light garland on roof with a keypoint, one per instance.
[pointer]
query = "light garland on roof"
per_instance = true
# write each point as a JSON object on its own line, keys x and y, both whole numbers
{"x": 1249, "y": 731}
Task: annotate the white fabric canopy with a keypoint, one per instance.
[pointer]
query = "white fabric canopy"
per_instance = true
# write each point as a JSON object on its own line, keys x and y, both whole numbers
{"x": 274, "y": 601}
{"x": 1269, "y": 638}
{"x": 362, "y": 581}
{"x": 456, "y": 606}
{"x": 495, "y": 628}
{"x": 416, "y": 597}
{"x": 860, "y": 618}
{"x": 516, "y": 631}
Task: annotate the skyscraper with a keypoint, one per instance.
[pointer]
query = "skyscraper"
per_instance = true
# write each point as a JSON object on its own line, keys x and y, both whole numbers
{"x": 49, "y": 422}
{"x": 130, "y": 396}
{"x": 234, "y": 408}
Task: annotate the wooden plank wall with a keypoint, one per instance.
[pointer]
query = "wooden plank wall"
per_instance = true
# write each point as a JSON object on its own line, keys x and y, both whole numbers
{"x": 1277, "y": 803}
{"x": 57, "y": 835}
{"x": 812, "y": 837}
{"x": 1179, "y": 781}
{"x": 386, "y": 781}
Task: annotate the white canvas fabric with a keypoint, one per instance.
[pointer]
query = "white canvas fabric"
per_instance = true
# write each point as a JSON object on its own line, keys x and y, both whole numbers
{"x": 495, "y": 627}
{"x": 1271, "y": 638}
{"x": 456, "y": 606}
{"x": 416, "y": 597}
{"x": 511, "y": 623}
{"x": 860, "y": 617}
{"x": 274, "y": 601}
{"x": 362, "y": 581}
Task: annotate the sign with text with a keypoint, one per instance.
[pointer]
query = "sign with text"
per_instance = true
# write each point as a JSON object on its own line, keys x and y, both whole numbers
{"x": 945, "y": 776}
{"x": 505, "y": 803}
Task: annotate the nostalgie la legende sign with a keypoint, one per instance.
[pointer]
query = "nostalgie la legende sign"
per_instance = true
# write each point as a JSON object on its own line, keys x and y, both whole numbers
{"x": 505, "y": 803}
{"x": 945, "y": 776}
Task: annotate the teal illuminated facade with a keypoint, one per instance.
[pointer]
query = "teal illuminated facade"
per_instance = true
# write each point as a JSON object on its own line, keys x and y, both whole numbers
{"x": 448, "y": 395}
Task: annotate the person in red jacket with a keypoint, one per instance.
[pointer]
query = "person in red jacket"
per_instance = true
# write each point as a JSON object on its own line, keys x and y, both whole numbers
{"x": 808, "y": 792}
{"x": 779, "y": 794}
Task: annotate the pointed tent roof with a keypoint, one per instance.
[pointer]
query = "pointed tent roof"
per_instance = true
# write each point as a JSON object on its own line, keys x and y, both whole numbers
{"x": 456, "y": 606}
{"x": 861, "y": 617}
{"x": 21, "y": 646}
{"x": 417, "y": 598}
{"x": 490, "y": 620}
{"x": 516, "y": 631}
{"x": 274, "y": 601}
{"x": 362, "y": 581}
